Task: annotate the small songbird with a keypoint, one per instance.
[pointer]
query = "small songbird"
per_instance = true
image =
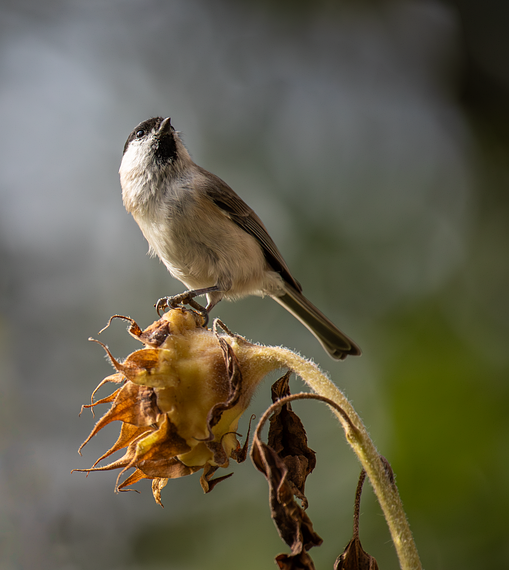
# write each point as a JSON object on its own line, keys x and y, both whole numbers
{"x": 207, "y": 236}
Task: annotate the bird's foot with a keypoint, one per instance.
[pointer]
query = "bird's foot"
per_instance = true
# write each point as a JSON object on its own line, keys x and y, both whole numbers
{"x": 186, "y": 298}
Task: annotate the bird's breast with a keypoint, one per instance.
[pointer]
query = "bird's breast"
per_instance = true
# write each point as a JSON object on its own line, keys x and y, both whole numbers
{"x": 201, "y": 246}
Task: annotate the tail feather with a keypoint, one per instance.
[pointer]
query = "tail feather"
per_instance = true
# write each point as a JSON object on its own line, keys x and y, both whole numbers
{"x": 337, "y": 344}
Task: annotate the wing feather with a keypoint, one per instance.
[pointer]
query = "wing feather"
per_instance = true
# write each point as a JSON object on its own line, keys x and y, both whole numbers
{"x": 240, "y": 213}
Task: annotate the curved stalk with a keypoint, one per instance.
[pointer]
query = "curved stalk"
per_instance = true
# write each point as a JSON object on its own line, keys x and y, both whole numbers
{"x": 384, "y": 487}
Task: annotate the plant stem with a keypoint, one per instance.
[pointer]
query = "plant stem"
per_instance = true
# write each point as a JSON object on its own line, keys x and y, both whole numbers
{"x": 383, "y": 486}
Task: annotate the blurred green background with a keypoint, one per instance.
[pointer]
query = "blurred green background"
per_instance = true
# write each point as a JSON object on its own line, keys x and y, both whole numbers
{"x": 372, "y": 138}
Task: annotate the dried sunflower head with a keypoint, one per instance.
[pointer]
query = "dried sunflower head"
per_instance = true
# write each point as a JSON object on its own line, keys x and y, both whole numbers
{"x": 179, "y": 401}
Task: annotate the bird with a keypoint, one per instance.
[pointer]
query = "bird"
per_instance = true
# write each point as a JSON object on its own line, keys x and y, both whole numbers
{"x": 206, "y": 235}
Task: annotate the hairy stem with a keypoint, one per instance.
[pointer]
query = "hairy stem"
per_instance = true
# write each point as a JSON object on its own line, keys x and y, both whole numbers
{"x": 381, "y": 480}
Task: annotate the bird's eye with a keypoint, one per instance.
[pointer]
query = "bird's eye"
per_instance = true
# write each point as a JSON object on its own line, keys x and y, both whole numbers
{"x": 140, "y": 133}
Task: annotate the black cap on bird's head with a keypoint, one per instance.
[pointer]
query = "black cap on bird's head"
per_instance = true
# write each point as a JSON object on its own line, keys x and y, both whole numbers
{"x": 162, "y": 133}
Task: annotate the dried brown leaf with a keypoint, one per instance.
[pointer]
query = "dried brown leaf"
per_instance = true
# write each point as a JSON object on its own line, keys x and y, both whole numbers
{"x": 165, "y": 442}
{"x": 154, "y": 454}
{"x": 123, "y": 463}
{"x": 157, "y": 486}
{"x": 287, "y": 437}
{"x": 154, "y": 335}
{"x": 300, "y": 562}
{"x": 235, "y": 381}
{"x": 173, "y": 468}
{"x": 132, "y": 404}
{"x": 240, "y": 453}
{"x": 135, "y": 405}
{"x": 128, "y": 435}
{"x": 355, "y": 558}
{"x": 293, "y": 524}
{"x": 206, "y": 481}
{"x": 116, "y": 378}
{"x": 133, "y": 478}
{"x": 166, "y": 468}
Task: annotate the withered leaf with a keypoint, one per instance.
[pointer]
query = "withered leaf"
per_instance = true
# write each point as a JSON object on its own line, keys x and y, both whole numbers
{"x": 105, "y": 400}
{"x": 135, "y": 405}
{"x": 220, "y": 457}
{"x": 164, "y": 442}
{"x": 128, "y": 434}
{"x": 293, "y": 524}
{"x": 208, "y": 484}
{"x": 388, "y": 470}
{"x": 152, "y": 455}
{"x": 166, "y": 468}
{"x": 289, "y": 562}
{"x": 123, "y": 463}
{"x": 157, "y": 487}
{"x": 355, "y": 558}
{"x": 144, "y": 360}
{"x": 235, "y": 381}
{"x": 117, "y": 378}
{"x": 132, "y": 404}
{"x": 240, "y": 453}
{"x": 154, "y": 335}
{"x": 137, "y": 364}
{"x": 173, "y": 469}
{"x": 133, "y": 478}
{"x": 287, "y": 437}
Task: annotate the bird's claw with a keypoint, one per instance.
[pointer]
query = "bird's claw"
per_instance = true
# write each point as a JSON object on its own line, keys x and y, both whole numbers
{"x": 162, "y": 304}
{"x": 186, "y": 298}
{"x": 169, "y": 302}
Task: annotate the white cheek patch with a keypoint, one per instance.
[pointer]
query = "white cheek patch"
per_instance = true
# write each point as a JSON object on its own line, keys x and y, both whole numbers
{"x": 137, "y": 173}
{"x": 136, "y": 158}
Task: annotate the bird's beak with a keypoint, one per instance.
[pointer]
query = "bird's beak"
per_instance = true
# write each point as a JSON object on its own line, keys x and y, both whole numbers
{"x": 165, "y": 126}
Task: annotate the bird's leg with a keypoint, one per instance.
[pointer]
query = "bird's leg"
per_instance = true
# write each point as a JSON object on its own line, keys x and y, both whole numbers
{"x": 187, "y": 298}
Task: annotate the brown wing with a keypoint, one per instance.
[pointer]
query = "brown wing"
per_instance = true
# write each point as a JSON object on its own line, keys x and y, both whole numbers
{"x": 240, "y": 213}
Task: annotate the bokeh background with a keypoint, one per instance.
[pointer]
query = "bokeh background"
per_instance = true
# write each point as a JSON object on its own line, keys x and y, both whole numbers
{"x": 372, "y": 138}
